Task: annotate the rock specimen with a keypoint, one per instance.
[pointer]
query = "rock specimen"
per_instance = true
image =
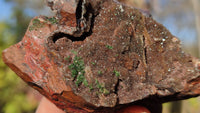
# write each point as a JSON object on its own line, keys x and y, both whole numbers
{"x": 101, "y": 55}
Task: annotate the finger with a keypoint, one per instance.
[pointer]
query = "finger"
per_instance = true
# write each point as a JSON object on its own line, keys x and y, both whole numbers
{"x": 46, "y": 106}
{"x": 134, "y": 109}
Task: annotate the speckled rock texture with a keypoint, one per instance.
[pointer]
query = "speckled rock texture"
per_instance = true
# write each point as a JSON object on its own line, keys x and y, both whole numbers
{"x": 101, "y": 55}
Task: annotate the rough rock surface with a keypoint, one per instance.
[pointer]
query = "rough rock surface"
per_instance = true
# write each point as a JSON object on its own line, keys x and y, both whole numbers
{"x": 98, "y": 56}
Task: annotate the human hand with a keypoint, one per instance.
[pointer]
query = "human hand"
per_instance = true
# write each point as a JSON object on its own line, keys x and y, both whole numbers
{"x": 46, "y": 106}
{"x": 134, "y": 109}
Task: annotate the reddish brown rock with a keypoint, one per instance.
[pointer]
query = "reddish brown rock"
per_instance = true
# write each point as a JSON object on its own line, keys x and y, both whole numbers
{"x": 100, "y": 59}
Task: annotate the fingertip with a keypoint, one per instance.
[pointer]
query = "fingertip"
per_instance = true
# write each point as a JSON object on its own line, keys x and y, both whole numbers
{"x": 134, "y": 109}
{"x": 47, "y": 106}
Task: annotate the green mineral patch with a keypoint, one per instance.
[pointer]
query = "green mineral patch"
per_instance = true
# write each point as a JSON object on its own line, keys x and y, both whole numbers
{"x": 109, "y": 47}
{"x": 36, "y": 24}
{"x": 74, "y": 52}
{"x": 93, "y": 63}
{"x": 117, "y": 73}
{"x": 99, "y": 72}
{"x": 67, "y": 58}
{"x": 52, "y": 20}
{"x": 90, "y": 87}
{"x": 78, "y": 70}
{"x": 101, "y": 88}
{"x": 80, "y": 78}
